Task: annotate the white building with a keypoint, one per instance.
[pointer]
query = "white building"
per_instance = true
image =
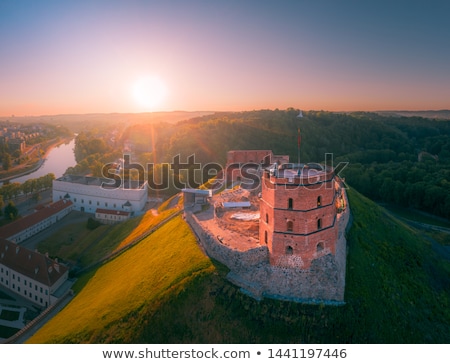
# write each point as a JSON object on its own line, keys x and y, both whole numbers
{"x": 91, "y": 193}
{"x": 111, "y": 217}
{"x": 30, "y": 274}
{"x": 27, "y": 226}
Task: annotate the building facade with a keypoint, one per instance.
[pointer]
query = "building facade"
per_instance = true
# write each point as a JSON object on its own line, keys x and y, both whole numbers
{"x": 27, "y": 226}
{"x": 91, "y": 193}
{"x": 298, "y": 214}
{"x": 111, "y": 217}
{"x": 30, "y": 274}
{"x": 244, "y": 165}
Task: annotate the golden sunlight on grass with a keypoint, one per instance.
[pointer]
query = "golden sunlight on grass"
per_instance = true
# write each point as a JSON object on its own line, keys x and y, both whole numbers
{"x": 128, "y": 283}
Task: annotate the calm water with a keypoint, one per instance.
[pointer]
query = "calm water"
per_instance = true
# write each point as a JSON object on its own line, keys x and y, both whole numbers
{"x": 57, "y": 161}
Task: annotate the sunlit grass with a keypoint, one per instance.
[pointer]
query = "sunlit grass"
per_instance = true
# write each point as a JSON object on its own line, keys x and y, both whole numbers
{"x": 80, "y": 246}
{"x": 126, "y": 284}
{"x": 148, "y": 221}
{"x": 164, "y": 290}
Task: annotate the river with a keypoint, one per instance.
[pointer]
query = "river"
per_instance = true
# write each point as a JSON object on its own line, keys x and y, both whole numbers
{"x": 57, "y": 161}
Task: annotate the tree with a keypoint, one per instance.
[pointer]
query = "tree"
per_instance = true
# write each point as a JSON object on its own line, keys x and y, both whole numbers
{"x": 27, "y": 187}
{"x": 92, "y": 224}
{"x": 36, "y": 197}
{"x": 96, "y": 169}
{"x": 6, "y": 161}
{"x": 11, "y": 211}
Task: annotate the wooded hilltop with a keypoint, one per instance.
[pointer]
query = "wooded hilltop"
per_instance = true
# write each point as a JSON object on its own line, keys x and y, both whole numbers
{"x": 394, "y": 159}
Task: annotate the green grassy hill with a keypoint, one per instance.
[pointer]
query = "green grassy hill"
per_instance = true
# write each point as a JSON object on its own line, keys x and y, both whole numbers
{"x": 164, "y": 290}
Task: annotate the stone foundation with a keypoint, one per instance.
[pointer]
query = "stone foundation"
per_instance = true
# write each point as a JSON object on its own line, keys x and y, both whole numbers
{"x": 323, "y": 282}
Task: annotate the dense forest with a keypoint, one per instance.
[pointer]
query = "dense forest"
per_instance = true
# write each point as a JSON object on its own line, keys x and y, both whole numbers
{"x": 395, "y": 159}
{"x": 92, "y": 152}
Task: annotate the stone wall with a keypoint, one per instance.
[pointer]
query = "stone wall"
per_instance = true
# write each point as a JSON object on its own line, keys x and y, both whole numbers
{"x": 237, "y": 261}
{"x": 323, "y": 282}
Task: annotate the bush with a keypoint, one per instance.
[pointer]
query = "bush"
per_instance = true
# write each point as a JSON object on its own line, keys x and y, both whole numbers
{"x": 92, "y": 224}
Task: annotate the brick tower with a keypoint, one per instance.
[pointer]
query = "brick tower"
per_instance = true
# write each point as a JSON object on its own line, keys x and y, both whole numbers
{"x": 298, "y": 214}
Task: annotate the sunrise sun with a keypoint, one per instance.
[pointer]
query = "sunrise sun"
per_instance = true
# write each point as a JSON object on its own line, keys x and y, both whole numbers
{"x": 149, "y": 92}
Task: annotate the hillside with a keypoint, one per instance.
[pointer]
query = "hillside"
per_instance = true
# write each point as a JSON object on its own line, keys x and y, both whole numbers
{"x": 393, "y": 159}
{"x": 164, "y": 290}
{"x": 429, "y": 114}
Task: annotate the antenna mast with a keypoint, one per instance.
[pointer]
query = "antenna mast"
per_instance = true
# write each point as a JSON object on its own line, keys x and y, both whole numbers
{"x": 300, "y": 115}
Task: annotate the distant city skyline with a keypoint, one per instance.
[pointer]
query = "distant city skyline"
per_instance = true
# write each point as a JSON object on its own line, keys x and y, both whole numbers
{"x": 60, "y": 57}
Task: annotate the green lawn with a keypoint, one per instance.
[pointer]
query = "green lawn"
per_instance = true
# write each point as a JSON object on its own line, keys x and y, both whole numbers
{"x": 164, "y": 290}
{"x": 120, "y": 289}
{"x": 78, "y": 245}
{"x": 70, "y": 242}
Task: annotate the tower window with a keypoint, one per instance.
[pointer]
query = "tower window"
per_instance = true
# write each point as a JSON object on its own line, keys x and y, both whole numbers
{"x": 319, "y": 247}
{"x": 289, "y": 250}
{"x": 290, "y": 225}
{"x": 319, "y": 201}
{"x": 319, "y": 224}
{"x": 265, "y": 237}
{"x": 267, "y": 218}
{"x": 290, "y": 203}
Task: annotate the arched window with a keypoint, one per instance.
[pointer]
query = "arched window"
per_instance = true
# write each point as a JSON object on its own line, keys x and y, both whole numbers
{"x": 290, "y": 204}
{"x": 319, "y": 224}
{"x": 319, "y": 201}
{"x": 265, "y": 237}
{"x": 319, "y": 247}
{"x": 289, "y": 250}
{"x": 290, "y": 225}
{"x": 267, "y": 218}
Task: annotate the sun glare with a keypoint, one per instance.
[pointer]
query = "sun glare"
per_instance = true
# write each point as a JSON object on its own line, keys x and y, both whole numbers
{"x": 149, "y": 92}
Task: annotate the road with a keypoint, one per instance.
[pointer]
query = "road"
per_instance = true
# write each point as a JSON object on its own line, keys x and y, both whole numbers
{"x": 442, "y": 250}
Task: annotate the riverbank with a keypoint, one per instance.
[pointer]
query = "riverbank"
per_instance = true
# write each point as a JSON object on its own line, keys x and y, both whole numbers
{"x": 28, "y": 168}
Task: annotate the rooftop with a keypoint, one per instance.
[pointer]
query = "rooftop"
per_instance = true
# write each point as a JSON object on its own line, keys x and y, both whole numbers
{"x": 112, "y": 212}
{"x": 25, "y": 222}
{"x": 197, "y": 191}
{"x": 102, "y": 182}
{"x": 31, "y": 264}
{"x": 291, "y": 170}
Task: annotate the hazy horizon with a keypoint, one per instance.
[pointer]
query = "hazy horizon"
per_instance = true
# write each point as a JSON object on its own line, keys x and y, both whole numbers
{"x": 8, "y": 117}
{"x": 85, "y": 57}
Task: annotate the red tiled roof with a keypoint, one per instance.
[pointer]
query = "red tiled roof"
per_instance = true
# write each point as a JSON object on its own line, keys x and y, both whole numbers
{"x": 25, "y": 222}
{"x": 32, "y": 264}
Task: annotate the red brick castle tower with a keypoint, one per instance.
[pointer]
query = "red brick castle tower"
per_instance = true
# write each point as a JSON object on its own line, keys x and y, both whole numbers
{"x": 298, "y": 214}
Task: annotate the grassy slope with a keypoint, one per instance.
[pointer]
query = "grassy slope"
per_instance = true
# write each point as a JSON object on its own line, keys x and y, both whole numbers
{"x": 398, "y": 291}
{"x": 120, "y": 289}
{"x": 77, "y": 244}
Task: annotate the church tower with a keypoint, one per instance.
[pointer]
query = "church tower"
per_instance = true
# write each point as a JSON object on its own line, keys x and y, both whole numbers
{"x": 298, "y": 214}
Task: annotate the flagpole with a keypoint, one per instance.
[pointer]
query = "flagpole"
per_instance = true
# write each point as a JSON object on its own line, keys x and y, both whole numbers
{"x": 300, "y": 115}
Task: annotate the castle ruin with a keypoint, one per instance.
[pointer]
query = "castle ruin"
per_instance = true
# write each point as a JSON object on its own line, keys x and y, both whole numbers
{"x": 279, "y": 227}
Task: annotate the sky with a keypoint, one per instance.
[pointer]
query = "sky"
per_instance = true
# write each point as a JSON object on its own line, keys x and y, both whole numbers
{"x": 65, "y": 57}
